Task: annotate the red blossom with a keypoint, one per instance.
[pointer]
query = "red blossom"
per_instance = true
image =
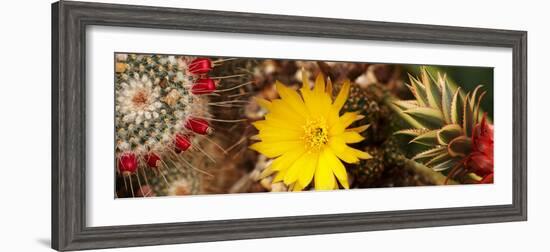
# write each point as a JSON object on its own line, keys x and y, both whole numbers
{"x": 481, "y": 159}
{"x": 152, "y": 160}
{"x": 200, "y": 66}
{"x": 182, "y": 142}
{"x": 203, "y": 86}
{"x": 127, "y": 163}
{"x": 199, "y": 126}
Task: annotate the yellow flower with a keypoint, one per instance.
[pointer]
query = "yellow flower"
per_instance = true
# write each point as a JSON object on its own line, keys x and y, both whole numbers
{"x": 307, "y": 136}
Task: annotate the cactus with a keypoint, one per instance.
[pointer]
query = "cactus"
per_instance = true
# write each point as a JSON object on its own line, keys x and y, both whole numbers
{"x": 162, "y": 122}
{"x": 445, "y": 122}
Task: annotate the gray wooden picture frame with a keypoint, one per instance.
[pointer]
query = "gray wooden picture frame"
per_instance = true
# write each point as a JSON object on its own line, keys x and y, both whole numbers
{"x": 69, "y": 22}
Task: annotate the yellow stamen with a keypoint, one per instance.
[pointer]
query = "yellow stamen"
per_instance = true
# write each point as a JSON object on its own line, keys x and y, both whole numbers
{"x": 315, "y": 134}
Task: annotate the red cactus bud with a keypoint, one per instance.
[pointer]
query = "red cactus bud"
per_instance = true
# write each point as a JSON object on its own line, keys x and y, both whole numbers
{"x": 203, "y": 86}
{"x": 481, "y": 160}
{"x": 152, "y": 160}
{"x": 182, "y": 142}
{"x": 200, "y": 66}
{"x": 199, "y": 126}
{"x": 127, "y": 163}
{"x": 489, "y": 179}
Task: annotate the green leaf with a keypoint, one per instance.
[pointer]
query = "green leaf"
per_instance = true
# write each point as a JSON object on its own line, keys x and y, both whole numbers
{"x": 438, "y": 159}
{"x": 430, "y": 74}
{"x": 474, "y": 96}
{"x": 429, "y": 138}
{"x": 444, "y": 165}
{"x": 404, "y": 105}
{"x": 407, "y": 118}
{"x": 477, "y": 108}
{"x": 460, "y": 146}
{"x": 431, "y": 152}
{"x": 418, "y": 90}
{"x": 448, "y": 133}
{"x": 411, "y": 132}
{"x": 433, "y": 93}
{"x": 430, "y": 118}
{"x": 446, "y": 99}
{"x": 467, "y": 119}
{"x": 457, "y": 108}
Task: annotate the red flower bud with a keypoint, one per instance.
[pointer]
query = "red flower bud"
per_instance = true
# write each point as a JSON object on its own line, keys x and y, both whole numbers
{"x": 199, "y": 126}
{"x": 127, "y": 163}
{"x": 489, "y": 179}
{"x": 480, "y": 163}
{"x": 481, "y": 160}
{"x": 182, "y": 142}
{"x": 152, "y": 160}
{"x": 200, "y": 66}
{"x": 203, "y": 86}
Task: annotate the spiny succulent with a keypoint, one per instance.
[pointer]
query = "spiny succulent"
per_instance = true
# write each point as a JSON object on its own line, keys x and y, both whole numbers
{"x": 445, "y": 122}
{"x": 173, "y": 179}
{"x": 367, "y": 172}
{"x": 161, "y": 113}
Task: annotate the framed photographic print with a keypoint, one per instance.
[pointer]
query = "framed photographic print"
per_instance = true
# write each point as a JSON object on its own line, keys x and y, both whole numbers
{"x": 177, "y": 125}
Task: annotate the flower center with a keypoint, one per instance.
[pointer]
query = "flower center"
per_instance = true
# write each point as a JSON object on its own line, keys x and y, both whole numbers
{"x": 315, "y": 134}
{"x": 140, "y": 98}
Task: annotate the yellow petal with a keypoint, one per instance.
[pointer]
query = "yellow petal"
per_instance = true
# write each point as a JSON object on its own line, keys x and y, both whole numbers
{"x": 308, "y": 169}
{"x": 345, "y": 153}
{"x": 310, "y": 101}
{"x": 329, "y": 88}
{"x": 295, "y": 170}
{"x": 319, "y": 84}
{"x": 277, "y": 121}
{"x": 282, "y": 109}
{"x": 317, "y": 101}
{"x": 342, "y": 96}
{"x": 279, "y": 135}
{"x": 351, "y": 118}
{"x": 324, "y": 178}
{"x": 279, "y": 177}
{"x": 337, "y": 144}
{"x": 270, "y": 125}
{"x": 360, "y": 154}
{"x": 325, "y": 106}
{"x": 272, "y": 150}
{"x": 335, "y": 186}
{"x": 352, "y": 137}
{"x": 341, "y": 174}
{"x": 305, "y": 79}
{"x": 318, "y": 104}
{"x": 359, "y": 129}
{"x": 259, "y": 124}
{"x": 337, "y": 167}
{"x": 332, "y": 118}
{"x": 343, "y": 122}
{"x": 292, "y": 98}
{"x": 283, "y": 162}
{"x": 263, "y": 103}
{"x": 296, "y": 187}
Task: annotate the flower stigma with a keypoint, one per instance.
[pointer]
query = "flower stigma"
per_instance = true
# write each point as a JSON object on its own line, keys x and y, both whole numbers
{"x": 315, "y": 134}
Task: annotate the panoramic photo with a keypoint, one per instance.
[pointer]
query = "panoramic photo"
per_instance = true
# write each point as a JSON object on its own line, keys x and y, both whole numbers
{"x": 195, "y": 125}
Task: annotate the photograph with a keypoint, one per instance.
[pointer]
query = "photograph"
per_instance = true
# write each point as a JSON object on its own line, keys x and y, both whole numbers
{"x": 274, "y": 126}
{"x": 199, "y": 124}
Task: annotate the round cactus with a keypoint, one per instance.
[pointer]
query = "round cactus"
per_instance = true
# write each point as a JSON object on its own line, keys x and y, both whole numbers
{"x": 163, "y": 121}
